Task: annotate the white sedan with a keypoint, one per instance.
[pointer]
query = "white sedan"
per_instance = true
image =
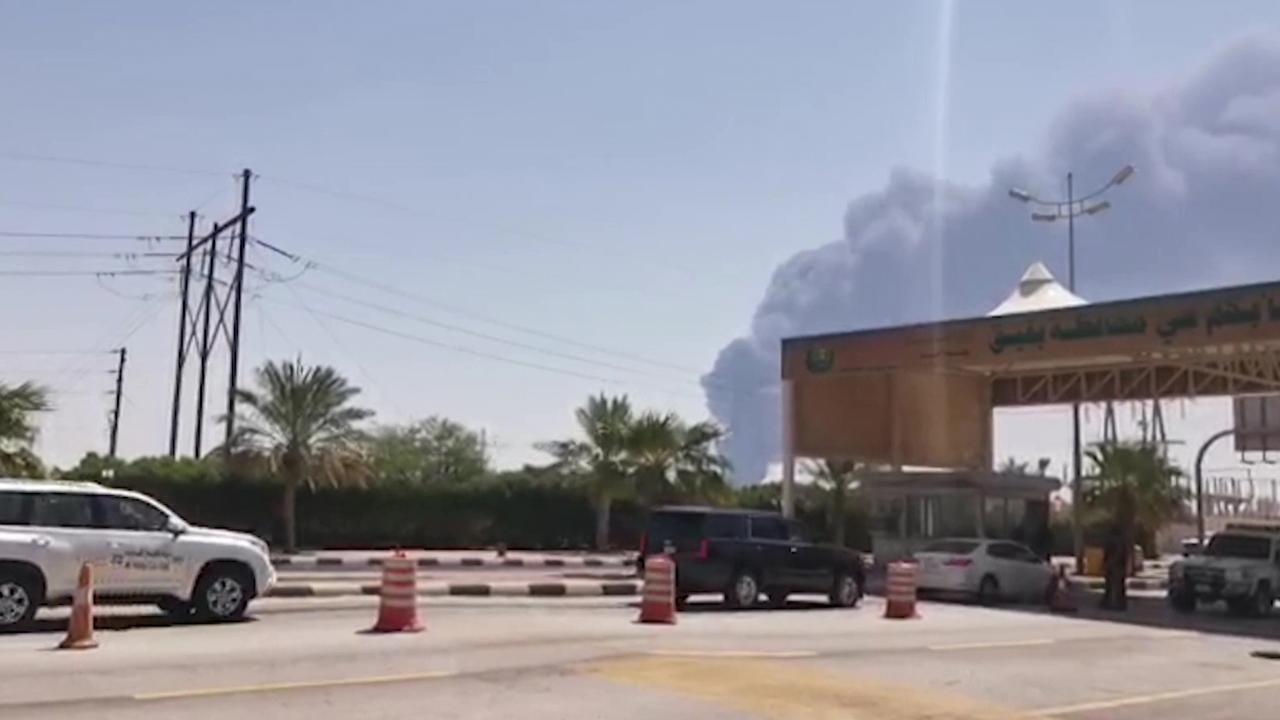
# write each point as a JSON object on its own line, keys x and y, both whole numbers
{"x": 988, "y": 570}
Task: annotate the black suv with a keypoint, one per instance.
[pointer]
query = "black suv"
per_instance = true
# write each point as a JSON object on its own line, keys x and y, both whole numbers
{"x": 744, "y": 553}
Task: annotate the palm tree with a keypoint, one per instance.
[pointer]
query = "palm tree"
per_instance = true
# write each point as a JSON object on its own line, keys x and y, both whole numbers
{"x": 1133, "y": 489}
{"x": 837, "y": 477}
{"x": 300, "y": 422}
{"x": 701, "y": 471}
{"x": 602, "y": 458}
{"x": 17, "y": 429}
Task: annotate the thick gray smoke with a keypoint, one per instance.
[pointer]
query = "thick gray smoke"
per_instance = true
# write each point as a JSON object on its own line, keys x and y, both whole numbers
{"x": 1200, "y": 212}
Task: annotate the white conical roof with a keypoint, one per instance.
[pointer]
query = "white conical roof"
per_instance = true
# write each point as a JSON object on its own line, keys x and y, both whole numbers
{"x": 1037, "y": 290}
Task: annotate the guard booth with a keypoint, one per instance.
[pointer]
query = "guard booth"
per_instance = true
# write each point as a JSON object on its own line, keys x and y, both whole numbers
{"x": 908, "y": 510}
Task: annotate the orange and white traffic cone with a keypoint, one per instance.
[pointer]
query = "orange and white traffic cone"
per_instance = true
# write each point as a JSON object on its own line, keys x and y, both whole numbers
{"x": 80, "y": 630}
{"x": 1060, "y": 599}
{"x": 900, "y": 591}
{"x": 398, "y": 607}
{"x": 658, "y": 604}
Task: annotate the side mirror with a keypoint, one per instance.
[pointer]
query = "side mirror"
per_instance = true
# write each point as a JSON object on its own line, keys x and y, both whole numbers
{"x": 175, "y": 527}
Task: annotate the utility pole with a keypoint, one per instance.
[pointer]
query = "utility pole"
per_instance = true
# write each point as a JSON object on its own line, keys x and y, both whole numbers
{"x": 238, "y": 289}
{"x": 115, "y": 414}
{"x": 211, "y": 254}
{"x": 181, "y": 362}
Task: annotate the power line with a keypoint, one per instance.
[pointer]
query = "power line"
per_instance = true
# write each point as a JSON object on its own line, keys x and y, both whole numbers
{"x": 82, "y": 209}
{"x": 509, "y": 231}
{"x": 85, "y": 254}
{"x": 473, "y": 333}
{"x": 67, "y": 160}
{"x": 23, "y": 234}
{"x": 448, "y": 307}
{"x": 472, "y": 351}
{"x": 84, "y": 273}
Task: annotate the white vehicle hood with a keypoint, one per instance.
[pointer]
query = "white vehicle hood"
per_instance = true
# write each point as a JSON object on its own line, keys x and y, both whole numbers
{"x": 197, "y": 531}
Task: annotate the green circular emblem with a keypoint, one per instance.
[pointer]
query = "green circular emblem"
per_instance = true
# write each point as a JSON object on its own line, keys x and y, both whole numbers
{"x": 819, "y": 359}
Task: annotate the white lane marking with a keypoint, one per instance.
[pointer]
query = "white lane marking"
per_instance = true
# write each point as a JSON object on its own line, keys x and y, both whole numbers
{"x": 303, "y": 685}
{"x": 734, "y": 653}
{"x": 1155, "y": 697}
{"x": 996, "y": 644}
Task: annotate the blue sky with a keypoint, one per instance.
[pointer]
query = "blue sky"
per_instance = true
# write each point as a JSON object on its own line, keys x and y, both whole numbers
{"x": 626, "y": 175}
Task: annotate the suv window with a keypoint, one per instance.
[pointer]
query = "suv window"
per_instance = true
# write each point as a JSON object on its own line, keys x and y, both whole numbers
{"x": 1241, "y": 546}
{"x": 13, "y": 508}
{"x": 765, "y": 527}
{"x": 122, "y": 513}
{"x": 62, "y": 510}
{"x": 726, "y": 526}
{"x": 1004, "y": 551}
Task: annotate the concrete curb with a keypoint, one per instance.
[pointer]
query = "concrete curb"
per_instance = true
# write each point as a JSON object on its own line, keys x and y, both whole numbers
{"x": 1138, "y": 583}
{"x": 332, "y": 562}
{"x": 438, "y": 589}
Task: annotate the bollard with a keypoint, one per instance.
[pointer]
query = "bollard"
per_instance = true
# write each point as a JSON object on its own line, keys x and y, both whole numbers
{"x": 398, "y": 604}
{"x": 1060, "y": 599}
{"x": 900, "y": 591}
{"x": 658, "y": 604}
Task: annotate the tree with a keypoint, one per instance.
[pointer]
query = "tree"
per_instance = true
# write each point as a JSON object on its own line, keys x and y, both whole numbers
{"x": 837, "y": 477}
{"x": 18, "y": 403}
{"x": 1132, "y": 489}
{"x": 432, "y": 450}
{"x": 601, "y": 458}
{"x": 300, "y": 422}
{"x": 701, "y": 470}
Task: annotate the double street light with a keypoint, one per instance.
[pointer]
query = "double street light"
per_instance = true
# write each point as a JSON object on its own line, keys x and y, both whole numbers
{"x": 1070, "y": 209}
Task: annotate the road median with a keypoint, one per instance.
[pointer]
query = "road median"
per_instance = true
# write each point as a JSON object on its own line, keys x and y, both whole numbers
{"x": 544, "y": 589}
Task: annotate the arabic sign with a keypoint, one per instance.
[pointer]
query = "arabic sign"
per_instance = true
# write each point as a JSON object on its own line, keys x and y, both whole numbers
{"x": 1095, "y": 325}
{"x": 1257, "y": 420}
{"x": 1210, "y": 319}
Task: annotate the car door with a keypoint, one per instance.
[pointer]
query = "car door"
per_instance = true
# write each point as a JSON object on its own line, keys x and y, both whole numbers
{"x": 145, "y": 556}
{"x": 1005, "y": 563}
{"x": 772, "y": 539}
{"x": 1036, "y": 574}
{"x": 811, "y": 564}
{"x": 63, "y": 527}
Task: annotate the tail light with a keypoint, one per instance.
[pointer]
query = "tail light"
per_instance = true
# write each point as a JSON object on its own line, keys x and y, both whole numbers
{"x": 958, "y": 562}
{"x": 644, "y": 544}
{"x": 704, "y": 549}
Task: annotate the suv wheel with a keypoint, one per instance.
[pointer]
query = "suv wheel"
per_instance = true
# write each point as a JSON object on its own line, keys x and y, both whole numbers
{"x": 19, "y": 598}
{"x": 222, "y": 593}
{"x": 845, "y": 591}
{"x": 744, "y": 590}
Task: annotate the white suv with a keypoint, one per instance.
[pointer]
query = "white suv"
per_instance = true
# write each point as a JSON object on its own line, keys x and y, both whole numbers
{"x": 140, "y": 551}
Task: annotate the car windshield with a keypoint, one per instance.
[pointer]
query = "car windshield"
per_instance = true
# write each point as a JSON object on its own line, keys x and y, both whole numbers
{"x": 951, "y": 547}
{"x": 1239, "y": 546}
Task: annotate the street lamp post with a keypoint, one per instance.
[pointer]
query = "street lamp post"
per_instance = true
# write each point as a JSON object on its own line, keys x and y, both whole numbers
{"x": 1070, "y": 209}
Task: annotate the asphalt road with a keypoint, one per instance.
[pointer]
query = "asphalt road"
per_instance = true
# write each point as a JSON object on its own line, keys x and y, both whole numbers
{"x": 535, "y": 659}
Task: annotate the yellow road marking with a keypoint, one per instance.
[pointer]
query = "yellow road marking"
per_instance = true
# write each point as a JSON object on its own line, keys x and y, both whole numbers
{"x": 302, "y": 685}
{"x": 995, "y": 644}
{"x": 781, "y": 654}
{"x": 1155, "y": 698}
{"x": 793, "y": 691}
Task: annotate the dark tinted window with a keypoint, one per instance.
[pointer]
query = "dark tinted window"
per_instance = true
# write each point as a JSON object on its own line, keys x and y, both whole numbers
{"x": 121, "y": 513}
{"x": 62, "y": 510}
{"x": 1241, "y": 546}
{"x": 769, "y": 528}
{"x": 13, "y": 508}
{"x": 674, "y": 527}
{"x": 726, "y": 526}
{"x": 1004, "y": 551}
{"x": 953, "y": 547}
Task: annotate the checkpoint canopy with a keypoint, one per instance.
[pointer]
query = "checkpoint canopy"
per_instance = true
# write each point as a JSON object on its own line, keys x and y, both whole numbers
{"x": 922, "y": 395}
